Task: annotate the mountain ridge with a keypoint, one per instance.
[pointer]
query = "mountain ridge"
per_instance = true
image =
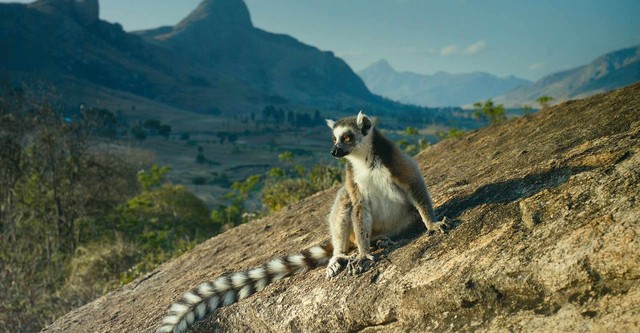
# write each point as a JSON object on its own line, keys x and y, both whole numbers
{"x": 609, "y": 71}
{"x": 275, "y": 63}
{"x": 212, "y": 59}
{"x": 438, "y": 89}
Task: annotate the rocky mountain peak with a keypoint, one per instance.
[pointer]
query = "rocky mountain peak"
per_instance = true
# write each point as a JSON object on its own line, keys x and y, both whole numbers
{"x": 381, "y": 65}
{"x": 216, "y": 14}
{"x": 85, "y": 11}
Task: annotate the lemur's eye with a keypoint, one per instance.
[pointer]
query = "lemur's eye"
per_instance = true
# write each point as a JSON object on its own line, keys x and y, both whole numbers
{"x": 334, "y": 139}
{"x": 346, "y": 138}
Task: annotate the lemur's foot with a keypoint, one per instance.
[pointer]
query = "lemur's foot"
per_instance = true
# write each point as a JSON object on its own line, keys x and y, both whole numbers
{"x": 383, "y": 243}
{"x": 359, "y": 265}
{"x": 441, "y": 226}
{"x": 336, "y": 265}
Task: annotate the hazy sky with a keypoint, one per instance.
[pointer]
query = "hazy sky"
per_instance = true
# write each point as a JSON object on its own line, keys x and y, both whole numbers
{"x": 526, "y": 38}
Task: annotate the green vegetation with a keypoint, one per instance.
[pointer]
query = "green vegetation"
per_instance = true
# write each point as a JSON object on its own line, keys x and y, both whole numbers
{"x": 451, "y": 133}
{"x": 275, "y": 189}
{"x": 411, "y": 142}
{"x": 149, "y": 127}
{"x": 526, "y": 109}
{"x": 285, "y": 186}
{"x": 487, "y": 110}
{"x": 75, "y": 220}
{"x": 544, "y": 101}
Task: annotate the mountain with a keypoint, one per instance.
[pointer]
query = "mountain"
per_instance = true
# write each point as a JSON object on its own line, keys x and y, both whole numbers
{"x": 213, "y": 59}
{"x": 610, "y": 71}
{"x": 439, "y": 89}
{"x": 62, "y": 42}
{"x": 219, "y": 35}
{"x": 545, "y": 239}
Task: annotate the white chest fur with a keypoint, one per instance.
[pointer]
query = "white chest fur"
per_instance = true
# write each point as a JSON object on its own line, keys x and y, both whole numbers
{"x": 389, "y": 205}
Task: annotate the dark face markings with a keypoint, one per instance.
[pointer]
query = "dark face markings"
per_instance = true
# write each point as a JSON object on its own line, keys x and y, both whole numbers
{"x": 346, "y": 138}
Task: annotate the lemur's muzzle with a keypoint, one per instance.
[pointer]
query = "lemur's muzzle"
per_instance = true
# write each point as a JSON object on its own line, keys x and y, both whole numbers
{"x": 338, "y": 151}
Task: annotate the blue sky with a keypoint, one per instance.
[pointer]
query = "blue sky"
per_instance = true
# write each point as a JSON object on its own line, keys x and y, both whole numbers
{"x": 526, "y": 38}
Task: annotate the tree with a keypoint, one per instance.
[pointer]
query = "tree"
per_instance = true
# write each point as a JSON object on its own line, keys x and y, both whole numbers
{"x": 138, "y": 133}
{"x": 233, "y": 138}
{"x": 163, "y": 217}
{"x": 452, "y": 133}
{"x": 198, "y": 180}
{"x": 487, "y": 110}
{"x": 286, "y": 156}
{"x": 411, "y": 131}
{"x": 526, "y": 109}
{"x": 164, "y": 130}
{"x": 268, "y": 112}
{"x": 278, "y": 116}
{"x": 222, "y": 136}
{"x": 286, "y": 191}
{"x": 153, "y": 177}
{"x": 152, "y": 124}
{"x": 56, "y": 187}
{"x": 544, "y": 101}
{"x": 103, "y": 121}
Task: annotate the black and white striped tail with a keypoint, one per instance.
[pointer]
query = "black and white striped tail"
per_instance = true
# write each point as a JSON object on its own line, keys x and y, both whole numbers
{"x": 228, "y": 289}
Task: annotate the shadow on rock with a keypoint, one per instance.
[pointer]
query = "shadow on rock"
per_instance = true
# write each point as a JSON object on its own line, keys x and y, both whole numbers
{"x": 509, "y": 190}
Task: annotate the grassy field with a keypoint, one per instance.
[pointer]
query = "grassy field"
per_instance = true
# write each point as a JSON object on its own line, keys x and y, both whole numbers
{"x": 255, "y": 151}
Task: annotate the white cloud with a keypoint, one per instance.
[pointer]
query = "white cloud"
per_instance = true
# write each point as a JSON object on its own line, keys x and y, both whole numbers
{"x": 449, "y": 50}
{"x": 453, "y": 49}
{"x": 476, "y": 47}
{"x": 537, "y": 66}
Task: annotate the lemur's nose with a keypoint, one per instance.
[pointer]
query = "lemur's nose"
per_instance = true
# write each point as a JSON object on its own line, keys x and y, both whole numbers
{"x": 334, "y": 151}
{"x": 337, "y": 151}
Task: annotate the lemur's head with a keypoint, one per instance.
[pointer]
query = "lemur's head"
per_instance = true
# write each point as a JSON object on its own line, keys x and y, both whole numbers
{"x": 349, "y": 133}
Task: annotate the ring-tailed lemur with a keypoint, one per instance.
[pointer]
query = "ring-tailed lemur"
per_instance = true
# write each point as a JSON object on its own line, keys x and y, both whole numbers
{"x": 384, "y": 194}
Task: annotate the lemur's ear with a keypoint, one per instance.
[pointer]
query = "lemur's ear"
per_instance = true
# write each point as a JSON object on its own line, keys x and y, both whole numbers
{"x": 330, "y": 123}
{"x": 364, "y": 123}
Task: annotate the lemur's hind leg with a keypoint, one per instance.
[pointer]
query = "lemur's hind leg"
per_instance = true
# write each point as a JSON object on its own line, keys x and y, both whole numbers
{"x": 362, "y": 223}
{"x": 422, "y": 201}
{"x": 341, "y": 227}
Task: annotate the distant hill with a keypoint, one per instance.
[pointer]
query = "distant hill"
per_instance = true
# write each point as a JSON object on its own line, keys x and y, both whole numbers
{"x": 439, "y": 89}
{"x": 610, "y": 71}
{"x": 213, "y": 59}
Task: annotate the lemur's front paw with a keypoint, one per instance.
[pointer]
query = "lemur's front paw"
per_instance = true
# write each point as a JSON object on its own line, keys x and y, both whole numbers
{"x": 336, "y": 265}
{"x": 359, "y": 265}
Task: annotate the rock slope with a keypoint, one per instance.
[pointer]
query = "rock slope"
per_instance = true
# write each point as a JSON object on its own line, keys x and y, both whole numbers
{"x": 546, "y": 238}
